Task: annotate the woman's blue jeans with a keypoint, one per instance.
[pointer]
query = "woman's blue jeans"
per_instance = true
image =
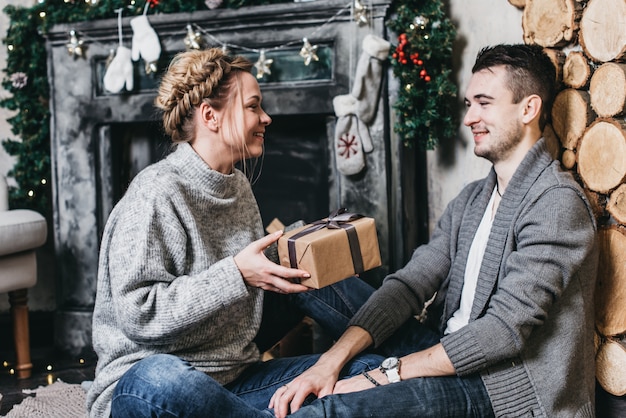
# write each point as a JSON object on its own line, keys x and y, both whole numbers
{"x": 166, "y": 386}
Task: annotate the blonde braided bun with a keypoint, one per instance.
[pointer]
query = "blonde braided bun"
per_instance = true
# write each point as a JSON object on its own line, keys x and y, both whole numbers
{"x": 192, "y": 77}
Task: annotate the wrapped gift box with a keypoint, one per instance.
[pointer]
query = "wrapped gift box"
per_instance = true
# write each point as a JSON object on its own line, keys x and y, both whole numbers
{"x": 331, "y": 249}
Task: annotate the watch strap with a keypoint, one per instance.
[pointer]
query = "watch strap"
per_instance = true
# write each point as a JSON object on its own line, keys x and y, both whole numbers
{"x": 393, "y": 375}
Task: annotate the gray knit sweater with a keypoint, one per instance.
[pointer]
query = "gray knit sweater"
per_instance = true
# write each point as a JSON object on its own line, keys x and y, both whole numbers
{"x": 531, "y": 328}
{"x": 167, "y": 281}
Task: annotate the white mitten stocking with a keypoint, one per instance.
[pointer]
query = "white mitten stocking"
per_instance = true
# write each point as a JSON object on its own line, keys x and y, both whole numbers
{"x": 119, "y": 72}
{"x": 368, "y": 76}
{"x": 145, "y": 40}
{"x": 348, "y": 139}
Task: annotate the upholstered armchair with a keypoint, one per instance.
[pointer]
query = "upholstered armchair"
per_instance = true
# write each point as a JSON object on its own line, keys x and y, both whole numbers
{"x": 21, "y": 233}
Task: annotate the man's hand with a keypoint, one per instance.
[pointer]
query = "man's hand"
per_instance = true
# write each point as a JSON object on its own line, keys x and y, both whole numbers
{"x": 319, "y": 380}
{"x": 258, "y": 271}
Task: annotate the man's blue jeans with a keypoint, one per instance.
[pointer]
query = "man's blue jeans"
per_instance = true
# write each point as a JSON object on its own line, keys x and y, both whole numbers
{"x": 429, "y": 397}
{"x": 166, "y": 386}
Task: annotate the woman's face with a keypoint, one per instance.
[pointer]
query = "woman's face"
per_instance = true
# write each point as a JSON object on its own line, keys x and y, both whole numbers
{"x": 250, "y": 119}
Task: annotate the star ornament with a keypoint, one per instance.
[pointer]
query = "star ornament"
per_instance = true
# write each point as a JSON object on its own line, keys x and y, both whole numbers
{"x": 360, "y": 13}
{"x": 263, "y": 65}
{"x": 75, "y": 46}
{"x": 193, "y": 40}
{"x": 308, "y": 52}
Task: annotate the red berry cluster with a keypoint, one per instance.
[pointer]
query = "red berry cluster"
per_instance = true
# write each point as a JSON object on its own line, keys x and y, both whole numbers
{"x": 401, "y": 52}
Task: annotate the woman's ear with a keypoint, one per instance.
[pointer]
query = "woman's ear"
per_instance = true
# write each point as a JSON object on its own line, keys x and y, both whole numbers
{"x": 532, "y": 108}
{"x": 208, "y": 116}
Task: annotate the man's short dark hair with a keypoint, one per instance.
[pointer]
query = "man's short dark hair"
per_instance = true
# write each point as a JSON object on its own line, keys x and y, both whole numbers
{"x": 530, "y": 71}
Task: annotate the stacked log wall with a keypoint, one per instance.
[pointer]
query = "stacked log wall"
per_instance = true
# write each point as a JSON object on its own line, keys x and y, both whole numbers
{"x": 586, "y": 41}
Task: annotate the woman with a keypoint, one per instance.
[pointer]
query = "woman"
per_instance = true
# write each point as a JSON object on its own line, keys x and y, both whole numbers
{"x": 183, "y": 274}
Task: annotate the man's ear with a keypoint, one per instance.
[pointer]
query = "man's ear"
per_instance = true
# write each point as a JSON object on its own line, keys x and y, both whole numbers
{"x": 532, "y": 108}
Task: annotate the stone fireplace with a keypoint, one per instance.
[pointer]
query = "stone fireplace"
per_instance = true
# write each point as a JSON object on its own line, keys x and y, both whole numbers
{"x": 100, "y": 140}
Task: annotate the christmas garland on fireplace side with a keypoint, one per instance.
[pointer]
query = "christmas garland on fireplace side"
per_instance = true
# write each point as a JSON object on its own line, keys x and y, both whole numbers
{"x": 421, "y": 61}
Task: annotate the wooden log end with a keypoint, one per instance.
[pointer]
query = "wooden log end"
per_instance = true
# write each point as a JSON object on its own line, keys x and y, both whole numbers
{"x": 601, "y": 155}
{"x": 616, "y": 204}
{"x": 520, "y": 4}
{"x": 607, "y": 89}
{"x": 576, "y": 70}
{"x": 610, "y": 295}
{"x": 602, "y": 35}
{"x": 571, "y": 114}
{"x": 550, "y": 23}
{"x": 610, "y": 366}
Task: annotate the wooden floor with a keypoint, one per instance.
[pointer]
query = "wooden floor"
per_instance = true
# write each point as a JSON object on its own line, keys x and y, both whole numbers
{"x": 48, "y": 367}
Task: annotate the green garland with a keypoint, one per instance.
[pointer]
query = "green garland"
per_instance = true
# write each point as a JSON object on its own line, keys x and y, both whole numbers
{"x": 422, "y": 62}
{"x": 424, "y": 106}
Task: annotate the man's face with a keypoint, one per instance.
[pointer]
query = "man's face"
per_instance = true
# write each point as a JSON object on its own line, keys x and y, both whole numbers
{"x": 495, "y": 121}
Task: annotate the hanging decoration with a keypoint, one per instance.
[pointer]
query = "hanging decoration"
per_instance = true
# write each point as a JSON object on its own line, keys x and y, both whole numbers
{"x": 422, "y": 62}
{"x": 263, "y": 65}
{"x": 146, "y": 43}
{"x": 193, "y": 40}
{"x": 119, "y": 69}
{"x": 360, "y": 13}
{"x": 308, "y": 52}
{"x": 75, "y": 46}
{"x": 19, "y": 80}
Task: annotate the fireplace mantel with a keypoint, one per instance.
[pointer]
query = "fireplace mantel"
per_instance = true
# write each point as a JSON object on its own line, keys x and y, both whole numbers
{"x": 83, "y": 116}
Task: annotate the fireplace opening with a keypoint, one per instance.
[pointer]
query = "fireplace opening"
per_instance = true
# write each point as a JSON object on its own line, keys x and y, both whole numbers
{"x": 290, "y": 182}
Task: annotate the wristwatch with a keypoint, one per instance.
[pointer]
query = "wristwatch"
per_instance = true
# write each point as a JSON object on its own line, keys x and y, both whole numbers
{"x": 391, "y": 368}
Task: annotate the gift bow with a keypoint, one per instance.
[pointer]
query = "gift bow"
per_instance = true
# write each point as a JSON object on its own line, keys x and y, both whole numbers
{"x": 339, "y": 219}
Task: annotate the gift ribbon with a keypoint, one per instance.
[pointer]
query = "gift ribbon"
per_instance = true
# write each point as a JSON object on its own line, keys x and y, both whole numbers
{"x": 338, "y": 219}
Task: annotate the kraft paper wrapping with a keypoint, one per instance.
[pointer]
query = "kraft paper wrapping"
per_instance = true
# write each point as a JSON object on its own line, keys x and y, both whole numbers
{"x": 325, "y": 253}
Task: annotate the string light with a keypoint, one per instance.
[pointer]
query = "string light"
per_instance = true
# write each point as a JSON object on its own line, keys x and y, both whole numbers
{"x": 194, "y": 40}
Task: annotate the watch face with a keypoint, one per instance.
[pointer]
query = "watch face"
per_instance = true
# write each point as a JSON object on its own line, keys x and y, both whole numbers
{"x": 390, "y": 363}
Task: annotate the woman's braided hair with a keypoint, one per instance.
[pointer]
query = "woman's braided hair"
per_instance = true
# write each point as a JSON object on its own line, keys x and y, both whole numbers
{"x": 193, "y": 77}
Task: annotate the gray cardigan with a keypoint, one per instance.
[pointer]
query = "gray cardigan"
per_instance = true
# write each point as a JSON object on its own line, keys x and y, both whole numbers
{"x": 167, "y": 281}
{"x": 530, "y": 335}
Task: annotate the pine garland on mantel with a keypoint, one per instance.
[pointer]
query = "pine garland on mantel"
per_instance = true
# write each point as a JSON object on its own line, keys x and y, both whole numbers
{"x": 421, "y": 61}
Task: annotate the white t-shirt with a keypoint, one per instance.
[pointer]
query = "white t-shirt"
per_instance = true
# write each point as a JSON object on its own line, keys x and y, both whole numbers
{"x": 461, "y": 316}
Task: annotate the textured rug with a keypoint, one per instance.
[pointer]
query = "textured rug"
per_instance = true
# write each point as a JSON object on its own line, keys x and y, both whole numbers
{"x": 58, "y": 400}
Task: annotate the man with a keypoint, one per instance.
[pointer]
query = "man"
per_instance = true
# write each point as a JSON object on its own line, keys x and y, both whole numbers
{"x": 512, "y": 263}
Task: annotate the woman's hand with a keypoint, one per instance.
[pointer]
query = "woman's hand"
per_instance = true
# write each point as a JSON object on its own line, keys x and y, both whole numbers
{"x": 258, "y": 271}
{"x": 318, "y": 380}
